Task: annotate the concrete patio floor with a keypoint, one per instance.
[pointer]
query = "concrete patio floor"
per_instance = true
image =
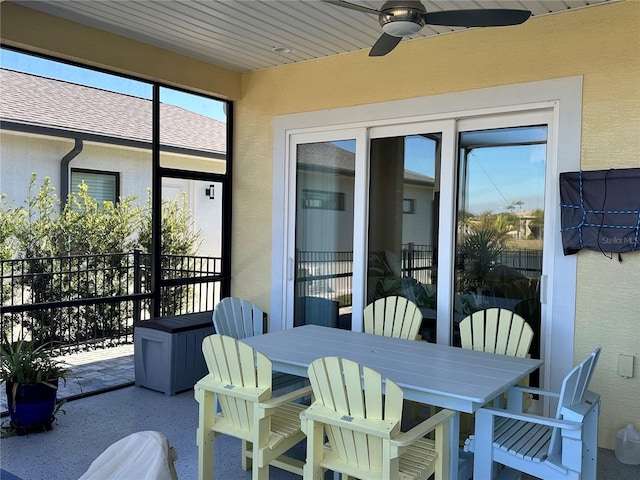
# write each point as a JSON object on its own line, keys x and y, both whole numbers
{"x": 92, "y": 423}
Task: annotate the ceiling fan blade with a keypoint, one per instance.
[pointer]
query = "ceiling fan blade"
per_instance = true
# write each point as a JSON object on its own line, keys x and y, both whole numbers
{"x": 490, "y": 17}
{"x": 384, "y": 45}
{"x": 352, "y": 6}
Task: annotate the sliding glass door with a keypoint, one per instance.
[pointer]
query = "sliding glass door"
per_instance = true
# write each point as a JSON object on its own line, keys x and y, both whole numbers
{"x": 323, "y": 276}
{"x": 500, "y": 224}
{"x": 447, "y": 214}
{"x": 451, "y": 200}
{"x": 404, "y": 194}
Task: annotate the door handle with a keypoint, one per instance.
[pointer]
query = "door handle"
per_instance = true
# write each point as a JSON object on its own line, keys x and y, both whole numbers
{"x": 543, "y": 289}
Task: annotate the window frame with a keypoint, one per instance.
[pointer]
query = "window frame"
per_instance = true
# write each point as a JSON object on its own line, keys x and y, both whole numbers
{"x": 116, "y": 193}
{"x": 408, "y": 206}
{"x": 330, "y": 201}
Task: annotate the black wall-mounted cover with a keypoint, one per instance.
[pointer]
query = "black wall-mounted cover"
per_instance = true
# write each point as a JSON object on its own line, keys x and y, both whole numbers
{"x": 600, "y": 210}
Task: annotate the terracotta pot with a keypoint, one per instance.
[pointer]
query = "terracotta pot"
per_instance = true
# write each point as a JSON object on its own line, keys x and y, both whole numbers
{"x": 31, "y": 405}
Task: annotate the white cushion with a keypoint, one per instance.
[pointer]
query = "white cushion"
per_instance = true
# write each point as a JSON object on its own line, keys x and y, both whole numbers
{"x": 142, "y": 455}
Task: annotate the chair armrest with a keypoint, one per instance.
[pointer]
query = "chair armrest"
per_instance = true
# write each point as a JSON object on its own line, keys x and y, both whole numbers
{"x": 536, "y": 391}
{"x": 378, "y": 428}
{"x": 528, "y": 417}
{"x": 420, "y": 430}
{"x": 274, "y": 402}
{"x": 251, "y": 394}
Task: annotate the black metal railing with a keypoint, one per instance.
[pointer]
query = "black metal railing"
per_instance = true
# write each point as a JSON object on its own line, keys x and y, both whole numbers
{"x": 417, "y": 262}
{"x": 330, "y": 274}
{"x": 189, "y": 284}
{"x": 527, "y": 262}
{"x": 84, "y": 301}
{"x": 325, "y": 274}
{"x": 89, "y": 300}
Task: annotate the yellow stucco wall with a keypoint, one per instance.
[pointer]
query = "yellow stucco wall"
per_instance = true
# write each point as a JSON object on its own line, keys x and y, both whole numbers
{"x": 601, "y": 43}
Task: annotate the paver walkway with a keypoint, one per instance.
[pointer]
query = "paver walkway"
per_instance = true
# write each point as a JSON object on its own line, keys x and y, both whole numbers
{"x": 92, "y": 372}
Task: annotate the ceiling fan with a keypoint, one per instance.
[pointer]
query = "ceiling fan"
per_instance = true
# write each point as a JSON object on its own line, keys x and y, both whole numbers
{"x": 400, "y": 18}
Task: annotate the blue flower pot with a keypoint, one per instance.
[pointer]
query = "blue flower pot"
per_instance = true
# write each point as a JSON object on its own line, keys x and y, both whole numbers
{"x": 31, "y": 407}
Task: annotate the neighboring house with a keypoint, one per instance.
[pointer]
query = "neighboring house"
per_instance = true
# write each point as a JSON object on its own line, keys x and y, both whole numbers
{"x": 592, "y": 55}
{"x": 330, "y": 205}
{"x": 73, "y": 134}
{"x": 102, "y": 138}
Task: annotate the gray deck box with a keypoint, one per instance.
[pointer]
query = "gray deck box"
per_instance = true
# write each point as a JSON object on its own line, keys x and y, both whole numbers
{"x": 168, "y": 351}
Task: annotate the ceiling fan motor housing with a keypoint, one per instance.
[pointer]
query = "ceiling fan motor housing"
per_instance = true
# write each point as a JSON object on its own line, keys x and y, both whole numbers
{"x": 402, "y": 17}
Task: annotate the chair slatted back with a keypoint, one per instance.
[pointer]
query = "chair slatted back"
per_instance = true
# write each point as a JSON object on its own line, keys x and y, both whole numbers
{"x": 496, "y": 330}
{"x": 574, "y": 387}
{"x": 356, "y": 393}
{"x": 242, "y": 378}
{"x": 393, "y": 317}
{"x": 238, "y": 318}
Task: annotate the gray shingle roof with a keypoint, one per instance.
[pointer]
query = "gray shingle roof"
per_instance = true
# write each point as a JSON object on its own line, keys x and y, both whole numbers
{"x": 32, "y": 100}
{"x": 328, "y": 155}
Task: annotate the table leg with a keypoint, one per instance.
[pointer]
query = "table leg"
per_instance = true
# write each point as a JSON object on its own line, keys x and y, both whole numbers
{"x": 454, "y": 434}
{"x": 483, "y": 452}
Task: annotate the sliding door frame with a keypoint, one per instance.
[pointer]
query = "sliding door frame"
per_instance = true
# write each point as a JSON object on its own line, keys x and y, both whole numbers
{"x": 561, "y": 99}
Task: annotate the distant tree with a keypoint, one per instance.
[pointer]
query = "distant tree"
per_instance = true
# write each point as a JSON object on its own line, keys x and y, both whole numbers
{"x": 479, "y": 251}
{"x": 179, "y": 236}
{"x": 500, "y": 224}
{"x": 481, "y": 246}
{"x": 35, "y": 234}
{"x": 64, "y": 259}
{"x": 86, "y": 227}
{"x": 10, "y": 219}
{"x": 82, "y": 252}
{"x": 180, "y": 240}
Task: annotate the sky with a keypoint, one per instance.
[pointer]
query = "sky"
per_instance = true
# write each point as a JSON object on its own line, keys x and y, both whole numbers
{"x": 497, "y": 177}
{"x": 502, "y": 176}
{"x": 83, "y": 76}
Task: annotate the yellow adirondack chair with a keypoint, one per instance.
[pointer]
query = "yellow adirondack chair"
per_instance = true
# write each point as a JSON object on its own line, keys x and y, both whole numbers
{"x": 363, "y": 430}
{"x": 240, "y": 380}
{"x": 240, "y": 319}
{"x": 398, "y": 317}
{"x": 494, "y": 330}
{"x": 393, "y": 317}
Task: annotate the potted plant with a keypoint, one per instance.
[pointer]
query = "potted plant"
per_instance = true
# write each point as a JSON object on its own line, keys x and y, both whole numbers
{"x": 31, "y": 374}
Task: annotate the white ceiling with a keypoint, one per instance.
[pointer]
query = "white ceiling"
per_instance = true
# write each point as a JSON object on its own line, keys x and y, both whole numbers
{"x": 241, "y": 34}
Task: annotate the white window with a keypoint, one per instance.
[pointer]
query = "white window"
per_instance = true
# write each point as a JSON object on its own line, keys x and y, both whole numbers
{"x": 322, "y": 200}
{"x": 409, "y": 205}
{"x": 101, "y": 186}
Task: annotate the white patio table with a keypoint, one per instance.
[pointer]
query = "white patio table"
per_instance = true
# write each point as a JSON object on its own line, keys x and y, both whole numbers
{"x": 440, "y": 375}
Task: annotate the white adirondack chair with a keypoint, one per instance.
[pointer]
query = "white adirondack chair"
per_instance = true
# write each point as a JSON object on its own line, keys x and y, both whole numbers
{"x": 363, "y": 430}
{"x": 564, "y": 447}
{"x": 240, "y": 319}
{"x": 240, "y": 380}
{"x": 393, "y": 317}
